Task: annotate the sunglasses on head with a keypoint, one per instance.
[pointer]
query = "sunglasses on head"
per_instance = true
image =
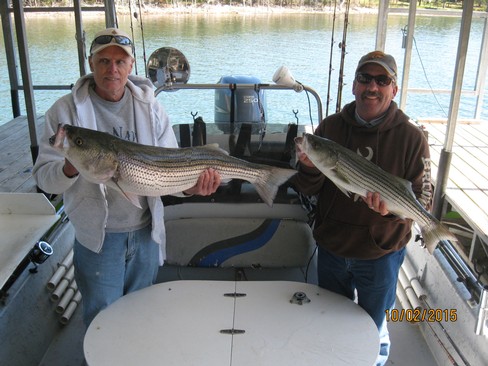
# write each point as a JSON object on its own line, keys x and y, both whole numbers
{"x": 121, "y": 40}
{"x": 380, "y": 80}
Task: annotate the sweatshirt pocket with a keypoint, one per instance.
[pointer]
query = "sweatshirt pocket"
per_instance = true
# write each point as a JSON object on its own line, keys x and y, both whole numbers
{"x": 88, "y": 217}
{"x": 349, "y": 240}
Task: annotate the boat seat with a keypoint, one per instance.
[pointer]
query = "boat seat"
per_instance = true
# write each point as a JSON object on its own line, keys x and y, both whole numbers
{"x": 238, "y": 242}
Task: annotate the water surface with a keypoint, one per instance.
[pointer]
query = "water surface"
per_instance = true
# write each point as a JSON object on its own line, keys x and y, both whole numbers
{"x": 257, "y": 44}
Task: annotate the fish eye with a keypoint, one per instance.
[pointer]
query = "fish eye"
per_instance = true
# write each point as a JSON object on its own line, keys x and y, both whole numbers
{"x": 79, "y": 141}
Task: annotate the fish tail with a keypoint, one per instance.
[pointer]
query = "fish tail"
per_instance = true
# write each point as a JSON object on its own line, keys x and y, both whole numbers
{"x": 435, "y": 232}
{"x": 270, "y": 180}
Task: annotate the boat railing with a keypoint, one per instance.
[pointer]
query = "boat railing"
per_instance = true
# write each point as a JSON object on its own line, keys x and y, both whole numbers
{"x": 257, "y": 87}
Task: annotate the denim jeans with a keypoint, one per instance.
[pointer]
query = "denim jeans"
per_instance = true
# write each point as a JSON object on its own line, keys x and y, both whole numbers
{"x": 127, "y": 262}
{"x": 373, "y": 281}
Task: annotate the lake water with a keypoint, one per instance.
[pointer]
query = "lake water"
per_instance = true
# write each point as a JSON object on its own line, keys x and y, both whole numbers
{"x": 257, "y": 44}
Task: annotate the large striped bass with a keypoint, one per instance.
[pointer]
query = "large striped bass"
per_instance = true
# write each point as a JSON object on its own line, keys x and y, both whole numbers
{"x": 141, "y": 170}
{"x": 351, "y": 172}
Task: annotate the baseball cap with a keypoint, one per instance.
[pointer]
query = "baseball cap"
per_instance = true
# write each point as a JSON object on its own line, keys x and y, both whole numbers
{"x": 112, "y": 37}
{"x": 382, "y": 59}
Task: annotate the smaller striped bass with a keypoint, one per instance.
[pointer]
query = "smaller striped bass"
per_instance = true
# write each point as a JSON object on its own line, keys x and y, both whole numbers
{"x": 141, "y": 170}
{"x": 351, "y": 172}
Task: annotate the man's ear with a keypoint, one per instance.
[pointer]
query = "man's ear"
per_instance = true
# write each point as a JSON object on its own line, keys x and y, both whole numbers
{"x": 90, "y": 63}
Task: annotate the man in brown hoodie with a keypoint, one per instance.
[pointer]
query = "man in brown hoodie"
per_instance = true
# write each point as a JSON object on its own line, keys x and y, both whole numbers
{"x": 361, "y": 246}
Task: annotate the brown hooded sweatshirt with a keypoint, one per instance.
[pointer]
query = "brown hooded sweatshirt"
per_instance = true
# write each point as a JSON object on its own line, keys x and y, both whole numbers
{"x": 346, "y": 226}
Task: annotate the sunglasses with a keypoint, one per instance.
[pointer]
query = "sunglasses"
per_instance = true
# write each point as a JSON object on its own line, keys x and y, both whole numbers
{"x": 121, "y": 40}
{"x": 380, "y": 80}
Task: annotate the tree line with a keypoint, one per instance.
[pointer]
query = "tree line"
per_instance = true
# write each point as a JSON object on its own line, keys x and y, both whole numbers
{"x": 479, "y": 4}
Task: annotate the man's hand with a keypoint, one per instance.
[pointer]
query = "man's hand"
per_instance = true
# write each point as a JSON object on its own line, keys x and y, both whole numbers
{"x": 207, "y": 183}
{"x": 303, "y": 158}
{"x": 374, "y": 202}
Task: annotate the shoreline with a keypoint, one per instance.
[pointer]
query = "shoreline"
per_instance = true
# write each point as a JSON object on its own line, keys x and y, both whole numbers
{"x": 219, "y": 9}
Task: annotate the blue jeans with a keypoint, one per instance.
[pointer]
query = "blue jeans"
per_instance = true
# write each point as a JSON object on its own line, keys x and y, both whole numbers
{"x": 374, "y": 282}
{"x": 127, "y": 262}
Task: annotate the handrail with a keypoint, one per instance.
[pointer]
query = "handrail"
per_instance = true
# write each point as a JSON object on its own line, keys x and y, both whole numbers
{"x": 175, "y": 87}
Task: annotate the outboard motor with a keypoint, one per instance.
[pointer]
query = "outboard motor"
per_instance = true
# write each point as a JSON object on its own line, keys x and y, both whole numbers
{"x": 235, "y": 106}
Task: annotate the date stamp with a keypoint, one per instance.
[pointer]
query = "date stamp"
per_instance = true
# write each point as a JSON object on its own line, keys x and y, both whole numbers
{"x": 421, "y": 315}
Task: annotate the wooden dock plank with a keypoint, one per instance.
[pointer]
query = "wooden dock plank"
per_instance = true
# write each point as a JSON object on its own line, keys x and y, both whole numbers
{"x": 469, "y": 163}
{"x": 467, "y": 186}
{"x": 15, "y": 156}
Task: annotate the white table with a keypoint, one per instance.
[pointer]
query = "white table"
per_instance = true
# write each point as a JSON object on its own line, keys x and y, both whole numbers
{"x": 179, "y": 323}
{"x": 24, "y": 219}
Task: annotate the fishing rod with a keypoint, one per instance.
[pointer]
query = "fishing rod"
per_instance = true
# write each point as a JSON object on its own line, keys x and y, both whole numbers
{"x": 330, "y": 59}
{"x": 132, "y": 32}
{"x": 142, "y": 35}
{"x": 342, "y": 45}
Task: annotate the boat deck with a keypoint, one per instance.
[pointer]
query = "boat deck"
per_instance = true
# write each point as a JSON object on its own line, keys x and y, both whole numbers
{"x": 408, "y": 346}
{"x": 467, "y": 187}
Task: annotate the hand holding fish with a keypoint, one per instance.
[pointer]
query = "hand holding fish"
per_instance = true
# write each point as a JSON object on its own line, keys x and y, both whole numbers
{"x": 374, "y": 202}
{"x": 142, "y": 170}
{"x": 382, "y": 191}
{"x": 207, "y": 183}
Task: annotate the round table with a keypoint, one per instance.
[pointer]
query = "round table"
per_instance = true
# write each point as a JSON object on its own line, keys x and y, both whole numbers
{"x": 232, "y": 323}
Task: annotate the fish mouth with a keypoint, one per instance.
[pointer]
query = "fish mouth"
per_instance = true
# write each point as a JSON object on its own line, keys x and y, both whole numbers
{"x": 299, "y": 143}
{"x": 57, "y": 140}
{"x": 52, "y": 139}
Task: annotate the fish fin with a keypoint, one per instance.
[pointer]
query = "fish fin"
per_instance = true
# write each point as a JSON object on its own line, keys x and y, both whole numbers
{"x": 339, "y": 180}
{"x": 345, "y": 191}
{"x": 270, "y": 180}
{"x": 408, "y": 186}
{"x": 214, "y": 146}
{"x": 131, "y": 197}
{"x": 435, "y": 232}
{"x": 134, "y": 199}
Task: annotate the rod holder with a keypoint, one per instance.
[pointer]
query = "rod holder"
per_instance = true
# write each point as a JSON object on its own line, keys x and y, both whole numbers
{"x": 482, "y": 313}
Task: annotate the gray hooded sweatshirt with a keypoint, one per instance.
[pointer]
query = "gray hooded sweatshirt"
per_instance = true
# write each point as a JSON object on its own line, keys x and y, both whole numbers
{"x": 85, "y": 203}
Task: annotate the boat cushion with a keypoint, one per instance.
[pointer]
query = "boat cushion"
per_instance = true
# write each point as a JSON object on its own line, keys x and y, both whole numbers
{"x": 238, "y": 242}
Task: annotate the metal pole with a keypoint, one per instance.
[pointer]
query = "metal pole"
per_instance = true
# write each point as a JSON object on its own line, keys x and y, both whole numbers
{"x": 408, "y": 54}
{"x": 30, "y": 104}
{"x": 481, "y": 74}
{"x": 80, "y": 37}
{"x": 110, "y": 14}
{"x": 443, "y": 172}
{"x": 382, "y": 25}
{"x": 10, "y": 54}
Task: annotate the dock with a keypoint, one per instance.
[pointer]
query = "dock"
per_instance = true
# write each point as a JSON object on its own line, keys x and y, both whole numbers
{"x": 467, "y": 187}
{"x": 15, "y": 155}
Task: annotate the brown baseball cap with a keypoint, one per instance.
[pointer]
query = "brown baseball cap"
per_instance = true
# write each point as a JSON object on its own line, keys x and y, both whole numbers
{"x": 384, "y": 60}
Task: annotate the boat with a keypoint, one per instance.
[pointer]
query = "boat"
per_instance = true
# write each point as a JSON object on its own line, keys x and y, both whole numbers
{"x": 229, "y": 246}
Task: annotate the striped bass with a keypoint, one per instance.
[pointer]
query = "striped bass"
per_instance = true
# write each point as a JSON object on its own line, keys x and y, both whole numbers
{"x": 141, "y": 170}
{"x": 351, "y": 172}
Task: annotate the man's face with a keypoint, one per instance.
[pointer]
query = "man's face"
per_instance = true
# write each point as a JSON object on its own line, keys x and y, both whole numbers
{"x": 372, "y": 100}
{"x": 111, "y": 68}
